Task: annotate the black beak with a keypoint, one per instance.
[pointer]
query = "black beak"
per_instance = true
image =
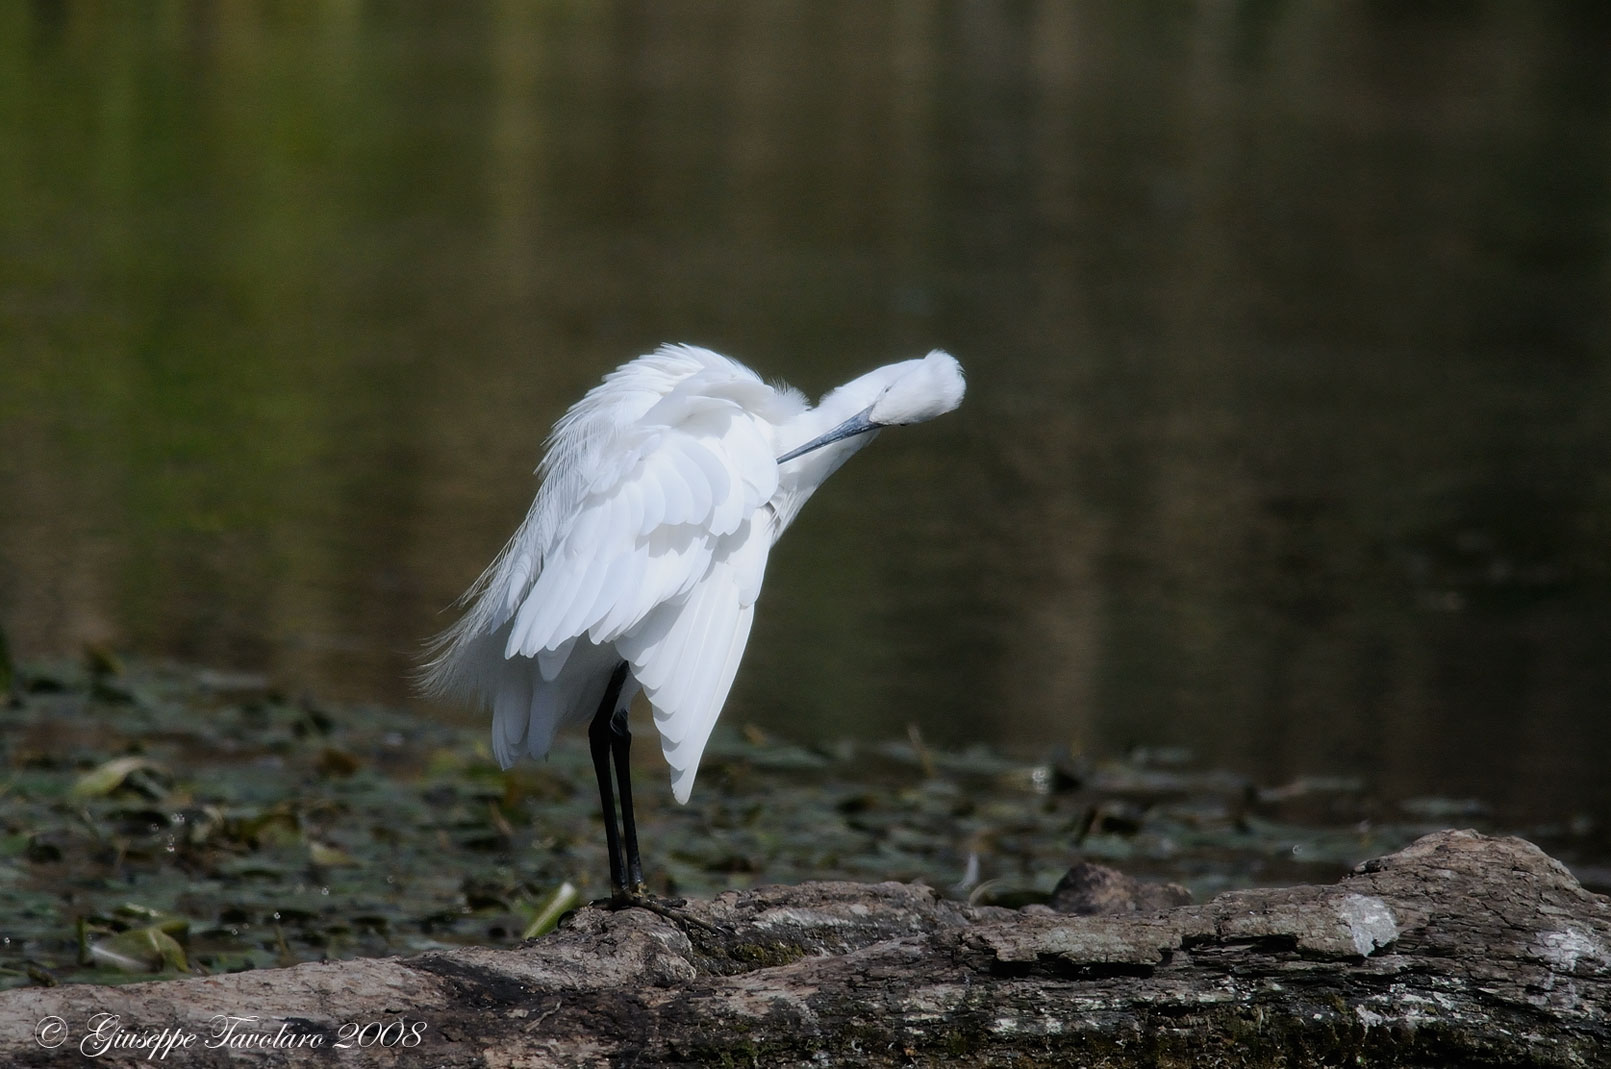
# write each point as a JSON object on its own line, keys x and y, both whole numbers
{"x": 857, "y": 424}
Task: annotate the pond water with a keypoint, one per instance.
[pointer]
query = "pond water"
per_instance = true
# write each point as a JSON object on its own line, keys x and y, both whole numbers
{"x": 1286, "y": 328}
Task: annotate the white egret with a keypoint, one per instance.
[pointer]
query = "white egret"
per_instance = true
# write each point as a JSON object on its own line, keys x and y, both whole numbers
{"x": 662, "y": 491}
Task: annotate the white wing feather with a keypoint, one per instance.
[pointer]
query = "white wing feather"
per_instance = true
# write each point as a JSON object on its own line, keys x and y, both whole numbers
{"x": 687, "y": 659}
{"x": 647, "y": 542}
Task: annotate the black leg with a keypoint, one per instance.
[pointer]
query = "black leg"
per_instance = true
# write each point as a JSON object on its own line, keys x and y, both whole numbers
{"x": 601, "y": 735}
{"x": 621, "y": 747}
{"x": 611, "y": 739}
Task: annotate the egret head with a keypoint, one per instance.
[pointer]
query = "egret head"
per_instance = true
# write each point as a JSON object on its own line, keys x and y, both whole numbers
{"x": 908, "y": 392}
{"x": 924, "y": 389}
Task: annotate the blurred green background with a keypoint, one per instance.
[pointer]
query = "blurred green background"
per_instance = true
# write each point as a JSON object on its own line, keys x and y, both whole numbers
{"x": 1286, "y": 324}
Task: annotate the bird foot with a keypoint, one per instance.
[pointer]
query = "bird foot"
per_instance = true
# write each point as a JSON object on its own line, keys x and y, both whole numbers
{"x": 638, "y": 897}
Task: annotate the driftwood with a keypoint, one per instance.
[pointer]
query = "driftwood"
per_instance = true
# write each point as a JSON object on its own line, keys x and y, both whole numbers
{"x": 1459, "y": 950}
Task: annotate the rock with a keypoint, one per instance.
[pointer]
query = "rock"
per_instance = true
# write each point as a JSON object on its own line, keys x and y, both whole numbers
{"x": 1087, "y": 890}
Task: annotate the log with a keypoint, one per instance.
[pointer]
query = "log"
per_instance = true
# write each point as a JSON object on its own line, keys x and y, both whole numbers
{"x": 1459, "y": 950}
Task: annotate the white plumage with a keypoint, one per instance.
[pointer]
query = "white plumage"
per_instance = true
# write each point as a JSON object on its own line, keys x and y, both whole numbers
{"x": 662, "y": 492}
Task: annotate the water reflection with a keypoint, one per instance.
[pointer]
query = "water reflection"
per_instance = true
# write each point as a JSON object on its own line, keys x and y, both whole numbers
{"x": 1285, "y": 326}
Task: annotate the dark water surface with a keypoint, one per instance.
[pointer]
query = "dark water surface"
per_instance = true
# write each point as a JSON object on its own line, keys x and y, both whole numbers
{"x": 1289, "y": 420}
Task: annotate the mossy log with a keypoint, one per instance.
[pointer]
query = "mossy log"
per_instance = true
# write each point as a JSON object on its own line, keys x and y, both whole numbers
{"x": 1459, "y": 950}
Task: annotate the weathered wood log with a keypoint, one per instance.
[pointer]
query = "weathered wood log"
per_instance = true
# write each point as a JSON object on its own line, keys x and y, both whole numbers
{"x": 1459, "y": 950}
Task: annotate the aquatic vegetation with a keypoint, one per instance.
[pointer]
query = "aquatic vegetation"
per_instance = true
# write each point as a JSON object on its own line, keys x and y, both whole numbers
{"x": 160, "y": 819}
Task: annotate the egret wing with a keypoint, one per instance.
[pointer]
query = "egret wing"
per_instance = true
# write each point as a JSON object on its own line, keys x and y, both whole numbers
{"x": 687, "y": 652}
{"x": 643, "y": 539}
{"x": 655, "y": 485}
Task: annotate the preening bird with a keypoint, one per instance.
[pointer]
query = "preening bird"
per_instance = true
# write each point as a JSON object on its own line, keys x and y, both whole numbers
{"x": 662, "y": 491}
